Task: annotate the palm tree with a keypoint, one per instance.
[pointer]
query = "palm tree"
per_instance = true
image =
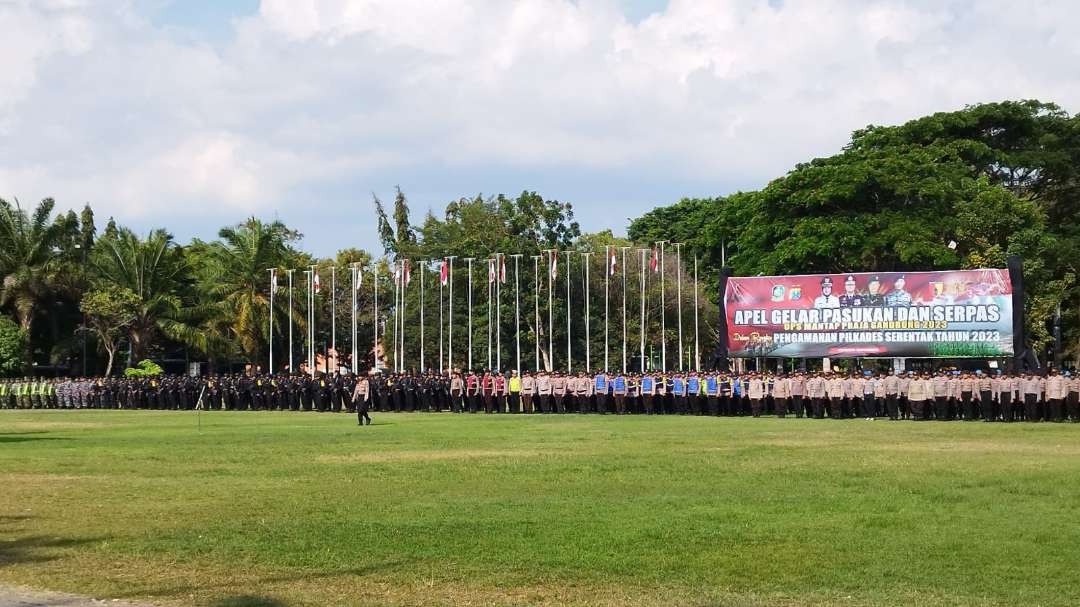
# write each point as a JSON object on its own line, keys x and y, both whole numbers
{"x": 29, "y": 251}
{"x": 233, "y": 274}
{"x": 155, "y": 270}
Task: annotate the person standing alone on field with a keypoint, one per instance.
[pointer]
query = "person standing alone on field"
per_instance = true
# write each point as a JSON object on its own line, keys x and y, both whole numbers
{"x": 361, "y": 397}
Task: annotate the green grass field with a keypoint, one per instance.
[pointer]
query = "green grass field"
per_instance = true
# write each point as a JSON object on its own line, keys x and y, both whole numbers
{"x": 271, "y": 509}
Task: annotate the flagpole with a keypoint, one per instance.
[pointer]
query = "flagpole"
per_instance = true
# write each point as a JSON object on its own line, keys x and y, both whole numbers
{"x": 551, "y": 309}
{"x": 450, "y": 311}
{"x": 607, "y": 283}
{"x": 536, "y": 301}
{"x": 375, "y": 316}
{"x": 489, "y": 313}
{"x": 697, "y": 340}
{"x": 354, "y": 352}
{"x": 405, "y": 271}
{"x": 624, "y": 269}
{"x": 588, "y": 296}
{"x": 333, "y": 315}
{"x": 678, "y": 296}
{"x": 440, "y": 324}
{"x": 468, "y": 261}
{"x": 273, "y": 275}
{"x": 291, "y": 368}
{"x": 310, "y": 298}
{"x": 498, "y": 310}
{"x": 517, "y": 313}
{"x": 422, "y": 361}
{"x": 643, "y": 327}
{"x": 663, "y": 311}
{"x": 397, "y": 310}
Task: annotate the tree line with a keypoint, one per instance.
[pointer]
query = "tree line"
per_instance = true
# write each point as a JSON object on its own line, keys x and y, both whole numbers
{"x": 951, "y": 190}
{"x": 75, "y": 299}
{"x": 962, "y": 189}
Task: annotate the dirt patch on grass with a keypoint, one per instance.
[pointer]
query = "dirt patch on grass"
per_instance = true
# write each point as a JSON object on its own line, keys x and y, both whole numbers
{"x": 428, "y": 456}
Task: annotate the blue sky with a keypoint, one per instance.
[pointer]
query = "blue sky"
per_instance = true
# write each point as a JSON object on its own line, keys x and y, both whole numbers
{"x": 195, "y": 114}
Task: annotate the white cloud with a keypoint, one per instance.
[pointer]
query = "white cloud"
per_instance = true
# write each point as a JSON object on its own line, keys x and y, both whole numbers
{"x": 312, "y": 101}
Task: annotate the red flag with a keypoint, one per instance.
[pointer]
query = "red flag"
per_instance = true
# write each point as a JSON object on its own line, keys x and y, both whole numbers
{"x": 611, "y": 260}
{"x": 654, "y": 261}
{"x": 443, "y": 272}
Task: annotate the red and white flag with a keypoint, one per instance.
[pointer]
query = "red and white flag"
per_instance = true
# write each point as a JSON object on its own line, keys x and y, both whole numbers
{"x": 611, "y": 260}
{"x": 553, "y": 263}
{"x": 273, "y": 280}
{"x": 408, "y": 271}
{"x": 444, "y": 273}
{"x": 502, "y": 268}
{"x": 315, "y": 280}
{"x": 654, "y": 260}
{"x": 359, "y": 277}
{"x": 491, "y": 271}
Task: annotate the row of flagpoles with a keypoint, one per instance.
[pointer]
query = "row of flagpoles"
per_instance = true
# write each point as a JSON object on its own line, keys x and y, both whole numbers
{"x": 402, "y": 274}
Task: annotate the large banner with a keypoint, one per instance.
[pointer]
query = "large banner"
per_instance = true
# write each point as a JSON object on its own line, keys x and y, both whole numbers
{"x": 962, "y": 313}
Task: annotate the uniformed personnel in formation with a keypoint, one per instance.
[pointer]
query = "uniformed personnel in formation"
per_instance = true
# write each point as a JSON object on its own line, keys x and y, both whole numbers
{"x": 940, "y": 395}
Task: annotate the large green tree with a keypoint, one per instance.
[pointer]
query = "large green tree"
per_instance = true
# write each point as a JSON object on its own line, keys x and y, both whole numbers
{"x": 233, "y": 278}
{"x": 995, "y": 179}
{"x": 155, "y": 270}
{"x": 30, "y": 243}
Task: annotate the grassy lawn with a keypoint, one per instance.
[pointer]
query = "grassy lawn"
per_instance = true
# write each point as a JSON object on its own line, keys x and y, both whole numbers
{"x": 271, "y": 509}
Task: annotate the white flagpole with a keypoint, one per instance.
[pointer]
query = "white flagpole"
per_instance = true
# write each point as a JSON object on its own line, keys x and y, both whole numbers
{"x": 697, "y": 340}
{"x": 678, "y": 297}
{"x": 468, "y": 261}
{"x": 607, "y": 283}
{"x": 440, "y": 325}
{"x": 536, "y": 301}
{"x": 450, "y": 312}
{"x": 375, "y": 316}
{"x": 397, "y": 309}
{"x": 517, "y": 313}
{"x": 588, "y": 296}
{"x": 498, "y": 310}
{"x": 273, "y": 271}
{"x": 569, "y": 358}
{"x": 643, "y": 327}
{"x": 624, "y": 269}
{"x": 291, "y": 369}
{"x": 489, "y": 312}
{"x": 310, "y": 283}
{"x": 311, "y": 322}
{"x": 404, "y": 292}
{"x": 333, "y": 315}
{"x": 663, "y": 311}
{"x": 422, "y": 361}
{"x": 352, "y": 326}
{"x": 551, "y": 309}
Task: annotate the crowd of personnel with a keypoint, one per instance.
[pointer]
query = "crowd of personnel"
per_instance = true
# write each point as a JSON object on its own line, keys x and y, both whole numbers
{"x": 945, "y": 395}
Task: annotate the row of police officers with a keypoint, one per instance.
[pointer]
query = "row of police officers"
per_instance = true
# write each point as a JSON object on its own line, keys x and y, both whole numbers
{"x": 919, "y": 396}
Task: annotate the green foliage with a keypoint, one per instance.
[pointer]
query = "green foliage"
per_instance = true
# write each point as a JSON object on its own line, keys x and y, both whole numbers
{"x": 29, "y": 242}
{"x": 12, "y": 347}
{"x": 109, "y": 311}
{"x": 145, "y": 368}
{"x": 999, "y": 179}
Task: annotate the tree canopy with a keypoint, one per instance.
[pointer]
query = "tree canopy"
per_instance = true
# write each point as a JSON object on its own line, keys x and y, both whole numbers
{"x": 954, "y": 189}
